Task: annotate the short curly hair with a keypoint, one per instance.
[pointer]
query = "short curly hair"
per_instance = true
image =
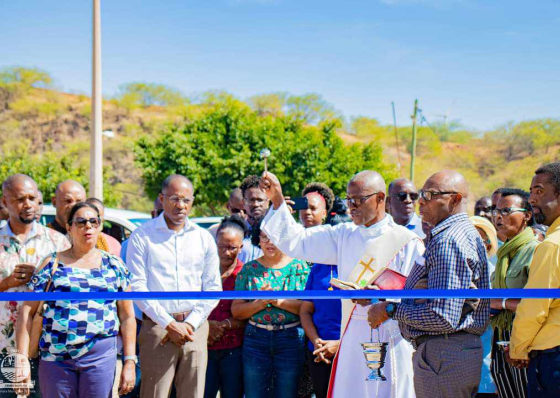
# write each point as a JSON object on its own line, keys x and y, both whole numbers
{"x": 249, "y": 182}
{"x": 321, "y": 189}
{"x": 552, "y": 170}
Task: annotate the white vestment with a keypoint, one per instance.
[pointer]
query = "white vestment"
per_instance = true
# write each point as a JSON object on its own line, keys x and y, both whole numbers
{"x": 344, "y": 245}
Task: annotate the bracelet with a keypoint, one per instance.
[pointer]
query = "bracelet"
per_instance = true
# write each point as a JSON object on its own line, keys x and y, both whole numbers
{"x": 229, "y": 322}
{"x": 504, "y": 304}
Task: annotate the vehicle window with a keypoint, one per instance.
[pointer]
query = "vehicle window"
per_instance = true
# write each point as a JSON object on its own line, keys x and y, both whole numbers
{"x": 138, "y": 221}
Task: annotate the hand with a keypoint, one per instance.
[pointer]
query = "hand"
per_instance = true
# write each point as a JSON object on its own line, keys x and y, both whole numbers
{"x": 516, "y": 363}
{"x": 21, "y": 369}
{"x": 377, "y": 314}
{"x": 178, "y": 333}
{"x": 271, "y": 186}
{"x": 22, "y": 274}
{"x": 289, "y": 203}
{"x": 215, "y": 333}
{"x": 362, "y": 302}
{"x": 326, "y": 351}
{"x": 277, "y": 302}
{"x": 128, "y": 378}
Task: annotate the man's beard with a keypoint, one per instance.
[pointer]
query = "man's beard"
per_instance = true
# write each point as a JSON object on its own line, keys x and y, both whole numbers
{"x": 26, "y": 221}
{"x": 539, "y": 218}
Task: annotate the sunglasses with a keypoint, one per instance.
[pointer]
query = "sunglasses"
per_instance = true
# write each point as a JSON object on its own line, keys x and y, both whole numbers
{"x": 81, "y": 222}
{"x": 402, "y": 196}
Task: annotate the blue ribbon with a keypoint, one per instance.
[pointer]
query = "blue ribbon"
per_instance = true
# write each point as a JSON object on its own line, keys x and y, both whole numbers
{"x": 304, "y": 295}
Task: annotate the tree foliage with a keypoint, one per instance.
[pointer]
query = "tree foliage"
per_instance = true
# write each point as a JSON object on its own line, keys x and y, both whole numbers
{"x": 221, "y": 146}
{"x": 141, "y": 95}
{"x": 16, "y": 81}
{"x": 48, "y": 169}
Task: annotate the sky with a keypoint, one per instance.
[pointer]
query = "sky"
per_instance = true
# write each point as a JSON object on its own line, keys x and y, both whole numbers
{"x": 483, "y": 62}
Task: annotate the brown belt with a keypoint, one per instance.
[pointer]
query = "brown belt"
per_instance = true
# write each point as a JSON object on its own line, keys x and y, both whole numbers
{"x": 179, "y": 316}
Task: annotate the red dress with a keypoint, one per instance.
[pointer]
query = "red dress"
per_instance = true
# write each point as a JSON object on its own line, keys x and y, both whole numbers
{"x": 231, "y": 338}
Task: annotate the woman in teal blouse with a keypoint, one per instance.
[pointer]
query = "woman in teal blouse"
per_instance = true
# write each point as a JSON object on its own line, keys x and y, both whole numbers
{"x": 273, "y": 347}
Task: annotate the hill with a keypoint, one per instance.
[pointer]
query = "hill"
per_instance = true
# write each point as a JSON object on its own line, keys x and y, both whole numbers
{"x": 43, "y": 123}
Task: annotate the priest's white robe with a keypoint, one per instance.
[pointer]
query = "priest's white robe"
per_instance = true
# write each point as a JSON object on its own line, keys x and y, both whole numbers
{"x": 344, "y": 245}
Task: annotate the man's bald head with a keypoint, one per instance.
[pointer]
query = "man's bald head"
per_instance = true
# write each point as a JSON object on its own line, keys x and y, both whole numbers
{"x": 449, "y": 192}
{"x": 369, "y": 180}
{"x": 17, "y": 180}
{"x": 399, "y": 184}
{"x": 67, "y": 194}
{"x": 175, "y": 179}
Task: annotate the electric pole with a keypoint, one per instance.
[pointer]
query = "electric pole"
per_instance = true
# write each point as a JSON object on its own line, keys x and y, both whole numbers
{"x": 96, "y": 150}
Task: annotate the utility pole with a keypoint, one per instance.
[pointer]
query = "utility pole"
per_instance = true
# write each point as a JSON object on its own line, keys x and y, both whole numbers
{"x": 96, "y": 150}
{"x": 413, "y": 152}
{"x": 397, "y": 138}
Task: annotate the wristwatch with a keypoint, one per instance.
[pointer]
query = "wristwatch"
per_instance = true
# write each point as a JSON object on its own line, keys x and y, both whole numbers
{"x": 390, "y": 309}
{"x": 133, "y": 358}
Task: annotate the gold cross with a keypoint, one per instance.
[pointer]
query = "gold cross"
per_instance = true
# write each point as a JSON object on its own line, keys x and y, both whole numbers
{"x": 366, "y": 268}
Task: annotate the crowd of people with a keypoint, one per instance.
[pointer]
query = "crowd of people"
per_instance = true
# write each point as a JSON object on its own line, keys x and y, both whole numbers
{"x": 442, "y": 347}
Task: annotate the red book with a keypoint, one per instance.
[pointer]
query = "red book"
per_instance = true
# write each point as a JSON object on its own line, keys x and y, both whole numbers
{"x": 390, "y": 280}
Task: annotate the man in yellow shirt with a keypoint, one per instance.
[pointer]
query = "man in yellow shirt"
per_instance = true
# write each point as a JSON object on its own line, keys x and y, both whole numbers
{"x": 536, "y": 329}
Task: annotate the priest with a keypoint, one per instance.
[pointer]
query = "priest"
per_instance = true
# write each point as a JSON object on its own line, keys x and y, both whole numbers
{"x": 345, "y": 245}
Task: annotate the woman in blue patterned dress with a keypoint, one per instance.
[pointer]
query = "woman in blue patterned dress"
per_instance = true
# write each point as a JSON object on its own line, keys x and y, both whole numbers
{"x": 78, "y": 345}
{"x": 273, "y": 346}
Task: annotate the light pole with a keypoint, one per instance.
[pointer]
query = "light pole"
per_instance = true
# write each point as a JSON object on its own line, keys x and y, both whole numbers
{"x": 96, "y": 151}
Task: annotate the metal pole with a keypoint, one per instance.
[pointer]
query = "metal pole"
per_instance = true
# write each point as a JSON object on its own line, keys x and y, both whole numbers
{"x": 96, "y": 151}
{"x": 413, "y": 152}
{"x": 397, "y": 138}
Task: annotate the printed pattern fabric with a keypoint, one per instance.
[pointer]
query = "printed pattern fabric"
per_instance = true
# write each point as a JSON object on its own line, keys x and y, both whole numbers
{"x": 41, "y": 242}
{"x": 255, "y": 276}
{"x": 71, "y": 327}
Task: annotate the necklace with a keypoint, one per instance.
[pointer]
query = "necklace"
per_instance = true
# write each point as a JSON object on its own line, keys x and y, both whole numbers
{"x": 84, "y": 258}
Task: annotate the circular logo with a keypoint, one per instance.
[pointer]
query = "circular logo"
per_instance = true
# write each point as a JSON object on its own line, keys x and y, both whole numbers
{"x": 15, "y": 367}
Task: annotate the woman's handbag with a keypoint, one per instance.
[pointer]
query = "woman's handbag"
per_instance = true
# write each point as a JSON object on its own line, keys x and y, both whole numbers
{"x": 37, "y": 325}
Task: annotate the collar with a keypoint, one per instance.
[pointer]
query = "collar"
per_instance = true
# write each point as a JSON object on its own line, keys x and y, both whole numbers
{"x": 35, "y": 231}
{"x": 448, "y": 222}
{"x": 413, "y": 222}
{"x": 57, "y": 227}
{"x": 162, "y": 225}
{"x": 378, "y": 228}
{"x": 554, "y": 227}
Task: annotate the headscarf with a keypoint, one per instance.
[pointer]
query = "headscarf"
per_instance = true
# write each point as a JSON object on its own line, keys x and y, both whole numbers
{"x": 506, "y": 254}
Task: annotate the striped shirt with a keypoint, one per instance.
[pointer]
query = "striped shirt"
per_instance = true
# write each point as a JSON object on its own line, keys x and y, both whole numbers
{"x": 455, "y": 259}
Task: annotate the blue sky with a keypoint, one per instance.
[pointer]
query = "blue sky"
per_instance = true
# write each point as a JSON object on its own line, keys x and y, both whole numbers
{"x": 484, "y": 62}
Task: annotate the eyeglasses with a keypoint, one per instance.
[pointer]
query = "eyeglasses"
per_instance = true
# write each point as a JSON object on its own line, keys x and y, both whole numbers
{"x": 429, "y": 195}
{"x": 177, "y": 199}
{"x": 357, "y": 202}
{"x": 402, "y": 196}
{"x": 264, "y": 239}
{"x": 225, "y": 248}
{"x": 81, "y": 222}
{"x": 506, "y": 211}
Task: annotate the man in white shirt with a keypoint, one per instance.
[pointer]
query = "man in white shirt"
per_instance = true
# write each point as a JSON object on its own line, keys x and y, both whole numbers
{"x": 401, "y": 202}
{"x": 170, "y": 253}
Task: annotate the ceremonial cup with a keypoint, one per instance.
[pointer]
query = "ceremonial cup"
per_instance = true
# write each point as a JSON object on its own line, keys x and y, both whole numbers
{"x": 375, "y": 354}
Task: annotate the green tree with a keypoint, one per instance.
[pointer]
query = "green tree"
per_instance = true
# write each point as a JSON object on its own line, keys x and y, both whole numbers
{"x": 17, "y": 81}
{"x": 220, "y": 147}
{"x": 142, "y": 95}
{"x": 50, "y": 168}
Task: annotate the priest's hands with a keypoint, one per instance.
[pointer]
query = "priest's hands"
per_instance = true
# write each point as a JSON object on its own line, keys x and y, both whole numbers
{"x": 270, "y": 184}
{"x": 377, "y": 314}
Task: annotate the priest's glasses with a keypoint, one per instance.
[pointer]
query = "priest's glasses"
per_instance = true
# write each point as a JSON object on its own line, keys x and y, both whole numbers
{"x": 375, "y": 353}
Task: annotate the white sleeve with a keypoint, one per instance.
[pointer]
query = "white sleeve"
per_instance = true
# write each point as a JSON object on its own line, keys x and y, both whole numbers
{"x": 317, "y": 244}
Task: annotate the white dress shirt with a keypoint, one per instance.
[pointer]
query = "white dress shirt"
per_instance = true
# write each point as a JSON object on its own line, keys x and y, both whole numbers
{"x": 161, "y": 259}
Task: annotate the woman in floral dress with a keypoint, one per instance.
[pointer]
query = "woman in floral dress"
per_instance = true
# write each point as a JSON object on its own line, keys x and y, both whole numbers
{"x": 273, "y": 348}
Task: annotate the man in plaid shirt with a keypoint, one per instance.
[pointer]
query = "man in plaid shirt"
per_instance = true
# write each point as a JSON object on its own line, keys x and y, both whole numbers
{"x": 444, "y": 332}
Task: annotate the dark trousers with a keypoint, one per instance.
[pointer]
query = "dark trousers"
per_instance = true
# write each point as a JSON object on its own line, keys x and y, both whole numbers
{"x": 544, "y": 376}
{"x": 320, "y": 375}
{"x": 224, "y": 373}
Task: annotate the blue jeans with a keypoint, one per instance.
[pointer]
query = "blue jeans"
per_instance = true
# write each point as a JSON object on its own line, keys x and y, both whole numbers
{"x": 272, "y": 362}
{"x": 224, "y": 373}
{"x": 544, "y": 376}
